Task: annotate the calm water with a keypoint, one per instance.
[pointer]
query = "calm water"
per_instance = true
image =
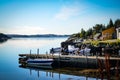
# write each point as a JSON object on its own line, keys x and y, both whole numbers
{"x": 9, "y": 67}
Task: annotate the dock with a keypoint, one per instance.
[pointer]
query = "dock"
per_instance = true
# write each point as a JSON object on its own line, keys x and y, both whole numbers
{"x": 70, "y": 60}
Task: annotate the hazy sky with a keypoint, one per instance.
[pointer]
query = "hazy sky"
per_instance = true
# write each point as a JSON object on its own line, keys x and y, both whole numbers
{"x": 55, "y": 16}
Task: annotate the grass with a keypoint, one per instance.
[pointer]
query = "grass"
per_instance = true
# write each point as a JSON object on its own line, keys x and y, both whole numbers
{"x": 97, "y": 42}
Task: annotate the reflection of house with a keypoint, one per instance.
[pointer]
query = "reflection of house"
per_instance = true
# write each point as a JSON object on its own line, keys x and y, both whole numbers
{"x": 118, "y": 32}
{"x": 108, "y": 33}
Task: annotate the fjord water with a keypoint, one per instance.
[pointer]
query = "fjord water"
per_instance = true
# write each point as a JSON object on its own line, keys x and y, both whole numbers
{"x": 9, "y": 66}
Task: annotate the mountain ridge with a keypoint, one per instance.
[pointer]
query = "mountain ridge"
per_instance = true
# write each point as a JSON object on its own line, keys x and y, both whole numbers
{"x": 36, "y": 35}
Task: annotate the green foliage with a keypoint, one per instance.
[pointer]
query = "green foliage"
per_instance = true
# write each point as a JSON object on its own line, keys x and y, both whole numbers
{"x": 98, "y": 28}
{"x": 89, "y": 32}
{"x": 97, "y": 42}
{"x": 82, "y": 34}
{"x": 117, "y": 23}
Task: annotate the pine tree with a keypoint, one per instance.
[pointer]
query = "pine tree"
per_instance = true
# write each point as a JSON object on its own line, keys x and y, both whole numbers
{"x": 110, "y": 24}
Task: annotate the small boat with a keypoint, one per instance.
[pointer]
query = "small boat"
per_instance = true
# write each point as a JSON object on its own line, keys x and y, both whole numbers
{"x": 39, "y": 62}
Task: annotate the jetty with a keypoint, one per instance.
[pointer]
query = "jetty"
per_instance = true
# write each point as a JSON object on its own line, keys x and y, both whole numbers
{"x": 71, "y": 60}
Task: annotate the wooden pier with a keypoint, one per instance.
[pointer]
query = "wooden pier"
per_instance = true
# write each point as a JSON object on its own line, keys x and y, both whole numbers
{"x": 63, "y": 56}
{"x": 70, "y": 60}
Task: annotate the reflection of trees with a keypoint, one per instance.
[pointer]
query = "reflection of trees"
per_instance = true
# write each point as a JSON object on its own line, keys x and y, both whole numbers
{"x": 2, "y": 41}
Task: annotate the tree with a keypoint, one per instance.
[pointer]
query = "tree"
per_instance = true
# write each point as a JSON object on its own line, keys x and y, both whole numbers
{"x": 88, "y": 33}
{"x": 117, "y": 23}
{"x": 97, "y": 28}
{"x": 82, "y": 34}
{"x": 103, "y": 27}
{"x": 110, "y": 24}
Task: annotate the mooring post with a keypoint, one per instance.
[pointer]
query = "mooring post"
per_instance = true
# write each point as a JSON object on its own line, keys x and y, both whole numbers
{"x": 59, "y": 59}
{"x": 46, "y": 55}
{"x": 37, "y": 52}
{"x": 30, "y": 52}
{"x": 59, "y": 55}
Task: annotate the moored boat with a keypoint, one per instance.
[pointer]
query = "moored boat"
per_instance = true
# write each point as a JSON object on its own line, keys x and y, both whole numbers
{"x": 39, "y": 62}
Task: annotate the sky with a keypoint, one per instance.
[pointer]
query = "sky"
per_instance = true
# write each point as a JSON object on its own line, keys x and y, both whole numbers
{"x": 55, "y": 16}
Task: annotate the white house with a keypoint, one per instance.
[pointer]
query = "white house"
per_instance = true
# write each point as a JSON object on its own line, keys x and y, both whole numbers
{"x": 118, "y": 32}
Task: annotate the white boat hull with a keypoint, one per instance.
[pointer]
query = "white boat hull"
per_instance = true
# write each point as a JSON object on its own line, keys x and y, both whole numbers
{"x": 39, "y": 62}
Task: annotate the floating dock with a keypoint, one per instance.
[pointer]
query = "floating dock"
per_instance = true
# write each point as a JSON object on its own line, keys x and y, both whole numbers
{"x": 70, "y": 60}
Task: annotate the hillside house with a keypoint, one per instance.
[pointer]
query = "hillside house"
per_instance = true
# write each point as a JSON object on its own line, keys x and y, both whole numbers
{"x": 118, "y": 32}
{"x": 108, "y": 34}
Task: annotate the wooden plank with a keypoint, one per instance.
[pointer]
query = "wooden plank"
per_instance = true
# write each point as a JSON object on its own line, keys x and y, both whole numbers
{"x": 63, "y": 56}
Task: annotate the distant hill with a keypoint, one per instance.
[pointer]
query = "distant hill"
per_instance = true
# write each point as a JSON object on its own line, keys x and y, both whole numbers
{"x": 35, "y": 36}
{"x": 4, "y": 37}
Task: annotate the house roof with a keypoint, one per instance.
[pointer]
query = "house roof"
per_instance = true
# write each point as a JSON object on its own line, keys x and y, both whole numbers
{"x": 112, "y": 29}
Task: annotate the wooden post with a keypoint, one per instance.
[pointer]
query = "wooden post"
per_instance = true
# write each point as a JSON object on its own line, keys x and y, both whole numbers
{"x": 96, "y": 59}
{"x": 59, "y": 55}
{"x": 59, "y": 60}
{"x": 30, "y": 52}
{"x": 86, "y": 60}
{"x": 46, "y": 55}
{"x": 37, "y": 53}
{"x": 117, "y": 70}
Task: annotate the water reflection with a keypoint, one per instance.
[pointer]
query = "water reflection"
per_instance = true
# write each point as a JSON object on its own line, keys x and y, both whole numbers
{"x": 31, "y": 42}
{"x": 3, "y": 41}
{"x": 58, "y": 73}
{"x": 10, "y": 50}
